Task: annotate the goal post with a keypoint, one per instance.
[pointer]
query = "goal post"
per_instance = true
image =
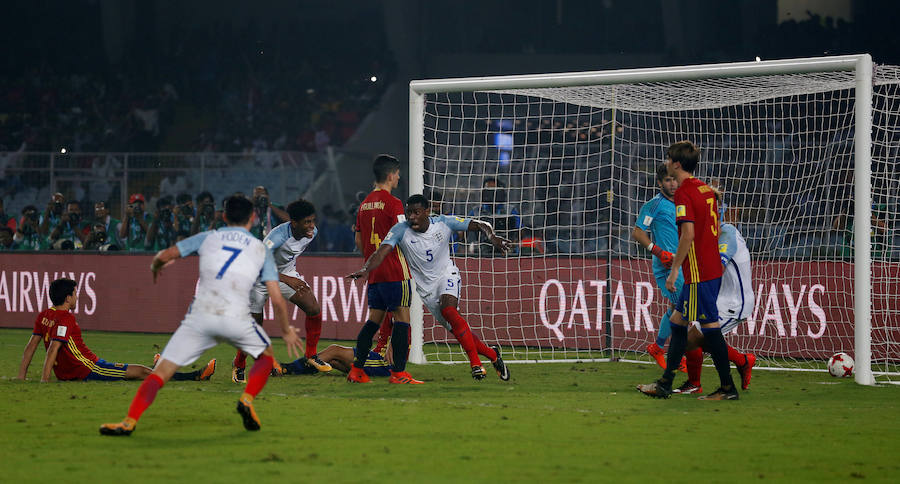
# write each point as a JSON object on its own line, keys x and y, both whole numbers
{"x": 576, "y": 152}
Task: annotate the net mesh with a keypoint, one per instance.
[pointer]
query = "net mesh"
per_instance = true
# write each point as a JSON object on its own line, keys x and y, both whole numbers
{"x": 574, "y": 165}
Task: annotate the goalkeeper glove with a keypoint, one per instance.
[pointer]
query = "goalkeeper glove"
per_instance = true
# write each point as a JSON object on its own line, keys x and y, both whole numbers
{"x": 664, "y": 256}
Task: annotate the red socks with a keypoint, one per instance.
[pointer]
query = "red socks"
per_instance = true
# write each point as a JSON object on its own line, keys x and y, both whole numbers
{"x": 387, "y": 326}
{"x": 736, "y": 356}
{"x": 313, "y": 331}
{"x": 240, "y": 360}
{"x": 259, "y": 375}
{"x": 470, "y": 343}
{"x": 694, "y": 365}
{"x": 145, "y": 395}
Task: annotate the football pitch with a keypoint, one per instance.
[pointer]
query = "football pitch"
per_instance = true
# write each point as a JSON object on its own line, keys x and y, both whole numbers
{"x": 562, "y": 422}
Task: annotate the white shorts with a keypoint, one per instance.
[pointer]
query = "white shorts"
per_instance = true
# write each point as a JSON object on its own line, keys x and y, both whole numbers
{"x": 450, "y": 283}
{"x": 259, "y": 295}
{"x": 200, "y": 332}
{"x": 726, "y": 325}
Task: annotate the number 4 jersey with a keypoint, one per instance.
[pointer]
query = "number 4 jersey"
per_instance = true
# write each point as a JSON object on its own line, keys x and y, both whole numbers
{"x": 377, "y": 214}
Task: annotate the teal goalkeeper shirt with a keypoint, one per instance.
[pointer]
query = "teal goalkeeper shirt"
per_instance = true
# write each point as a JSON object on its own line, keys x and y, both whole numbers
{"x": 657, "y": 216}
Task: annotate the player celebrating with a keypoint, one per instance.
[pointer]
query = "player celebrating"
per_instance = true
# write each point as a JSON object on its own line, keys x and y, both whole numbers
{"x": 658, "y": 217}
{"x": 231, "y": 260}
{"x": 735, "y": 304}
{"x": 697, "y": 216}
{"x": 67, "y": 355}
{"x": 389, "y": 285}
{"x": 425, "y": 242}
{"x": 286, "y": 242}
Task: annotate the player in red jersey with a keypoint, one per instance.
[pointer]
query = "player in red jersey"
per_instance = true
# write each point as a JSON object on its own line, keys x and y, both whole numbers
{"x": 697, "y": 216}
{"x": 390, "y": 289}
{"x": 67, "y": 355}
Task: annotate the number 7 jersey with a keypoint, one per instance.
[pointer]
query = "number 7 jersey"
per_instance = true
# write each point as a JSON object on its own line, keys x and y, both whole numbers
{"x": 377, "y": 214}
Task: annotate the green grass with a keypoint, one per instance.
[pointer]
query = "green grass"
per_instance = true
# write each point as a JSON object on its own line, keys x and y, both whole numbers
{"x": 551, "y": 423}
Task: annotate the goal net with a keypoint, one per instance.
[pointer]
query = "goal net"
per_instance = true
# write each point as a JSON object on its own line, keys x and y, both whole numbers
{"x": 804, "y": 150}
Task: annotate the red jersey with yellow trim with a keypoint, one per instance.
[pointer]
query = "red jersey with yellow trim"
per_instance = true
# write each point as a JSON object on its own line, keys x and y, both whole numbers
{"x": 74, "y": 359}
{"x": 377, "y": 214}
{"x": 695, "y": 202}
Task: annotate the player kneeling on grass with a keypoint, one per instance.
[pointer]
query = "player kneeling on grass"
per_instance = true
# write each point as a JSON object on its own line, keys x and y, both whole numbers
{"x": 231, "y": 260}
{"x": 425, "y": 241}
{"x": 287, "y": 241}
{"x": 67, "y": 355}
{"x": 735, "y": 304}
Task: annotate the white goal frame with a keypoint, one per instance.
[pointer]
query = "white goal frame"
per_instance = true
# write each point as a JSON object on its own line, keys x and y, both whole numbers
{"x": 860, "y": 64}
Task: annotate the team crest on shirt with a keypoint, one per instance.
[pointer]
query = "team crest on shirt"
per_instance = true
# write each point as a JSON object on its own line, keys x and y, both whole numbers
{"x": 439, "y": 236}
{"x": 680, "y": 211}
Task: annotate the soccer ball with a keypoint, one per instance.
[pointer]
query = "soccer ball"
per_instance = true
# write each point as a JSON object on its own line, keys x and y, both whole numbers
{"x": 840, "y": 365}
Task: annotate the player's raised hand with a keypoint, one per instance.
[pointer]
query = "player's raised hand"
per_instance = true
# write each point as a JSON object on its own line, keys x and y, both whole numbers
{"x": 295, "y": 345}
{"x": 501, "y": 243}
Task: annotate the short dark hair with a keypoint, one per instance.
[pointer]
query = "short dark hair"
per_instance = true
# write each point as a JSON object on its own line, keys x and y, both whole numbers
{"x": 418, "y": 199}
{"x": 182, "y": 198}
{"x": 686, "y": 153}
{"x": 162, "y": 202}
{"x": 300, "y": 209}
{"x": 73, "y": 202}
{"x": 60, "y": 289}
{"x": 661, "y": 172}
{"x": 238, "y": 210}
{"x": 29, "y": 208}
{"x": 383, "y": 166}
{"x": 203, "y": 195}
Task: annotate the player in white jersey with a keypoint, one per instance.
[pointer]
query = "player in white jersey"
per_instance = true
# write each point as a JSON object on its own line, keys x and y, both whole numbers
{"x": 735, "y": 304}
{"x": 425, "y": 242}
{"x": 287, "y": 241}
{"x": 231, "y": 260}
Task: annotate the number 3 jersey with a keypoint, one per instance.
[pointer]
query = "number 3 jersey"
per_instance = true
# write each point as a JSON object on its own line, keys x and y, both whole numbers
{"x": 231, "y": 261}
{"x": 378, "y": 213}
{"x": 427, "y": 253}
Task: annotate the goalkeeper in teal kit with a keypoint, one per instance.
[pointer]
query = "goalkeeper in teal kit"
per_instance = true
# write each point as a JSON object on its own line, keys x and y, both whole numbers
{"x": 657, "y": 217}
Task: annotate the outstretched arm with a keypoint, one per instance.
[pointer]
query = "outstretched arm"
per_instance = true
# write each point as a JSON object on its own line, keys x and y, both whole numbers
{"x": 162, "y": 259}
{"x": 374, "y": 261}
{"x": 501, "y": 243}
{"x": 50, "y": 360}
{"x": 28, "y": 355}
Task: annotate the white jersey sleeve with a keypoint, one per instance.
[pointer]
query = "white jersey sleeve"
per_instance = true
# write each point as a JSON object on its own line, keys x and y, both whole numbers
{"x": 456, "y": 224}
{"x": 192, "y": 244}
{"x": 395, "y": 235}
{"x": 285, "y": 248}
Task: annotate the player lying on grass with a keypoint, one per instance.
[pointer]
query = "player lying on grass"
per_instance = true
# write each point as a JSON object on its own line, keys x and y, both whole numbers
{"x": 231, "y": 260}
{"x": 735, "y": 304}
{"x": 425, "y": 241}
{"x": 67, "y": 355}
{"x": 343, "y": 358}
{"x": 287, "y": 241}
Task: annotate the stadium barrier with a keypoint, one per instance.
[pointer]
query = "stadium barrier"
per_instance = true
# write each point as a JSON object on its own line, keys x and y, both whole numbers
{"x": 563, "y": 300}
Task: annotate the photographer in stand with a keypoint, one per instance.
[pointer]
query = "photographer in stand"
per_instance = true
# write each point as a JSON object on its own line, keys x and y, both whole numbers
{"x": 206, "y": 214}
{"x": 268, "y": 216}
{"x": 163, "y": 232}
{"x": 133, "y": 231}
{"x": 28, "y": 235}
{"x": 52, "y": 214}
{"x": 99, "y": 239}
{"x": 70, "y": 232}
